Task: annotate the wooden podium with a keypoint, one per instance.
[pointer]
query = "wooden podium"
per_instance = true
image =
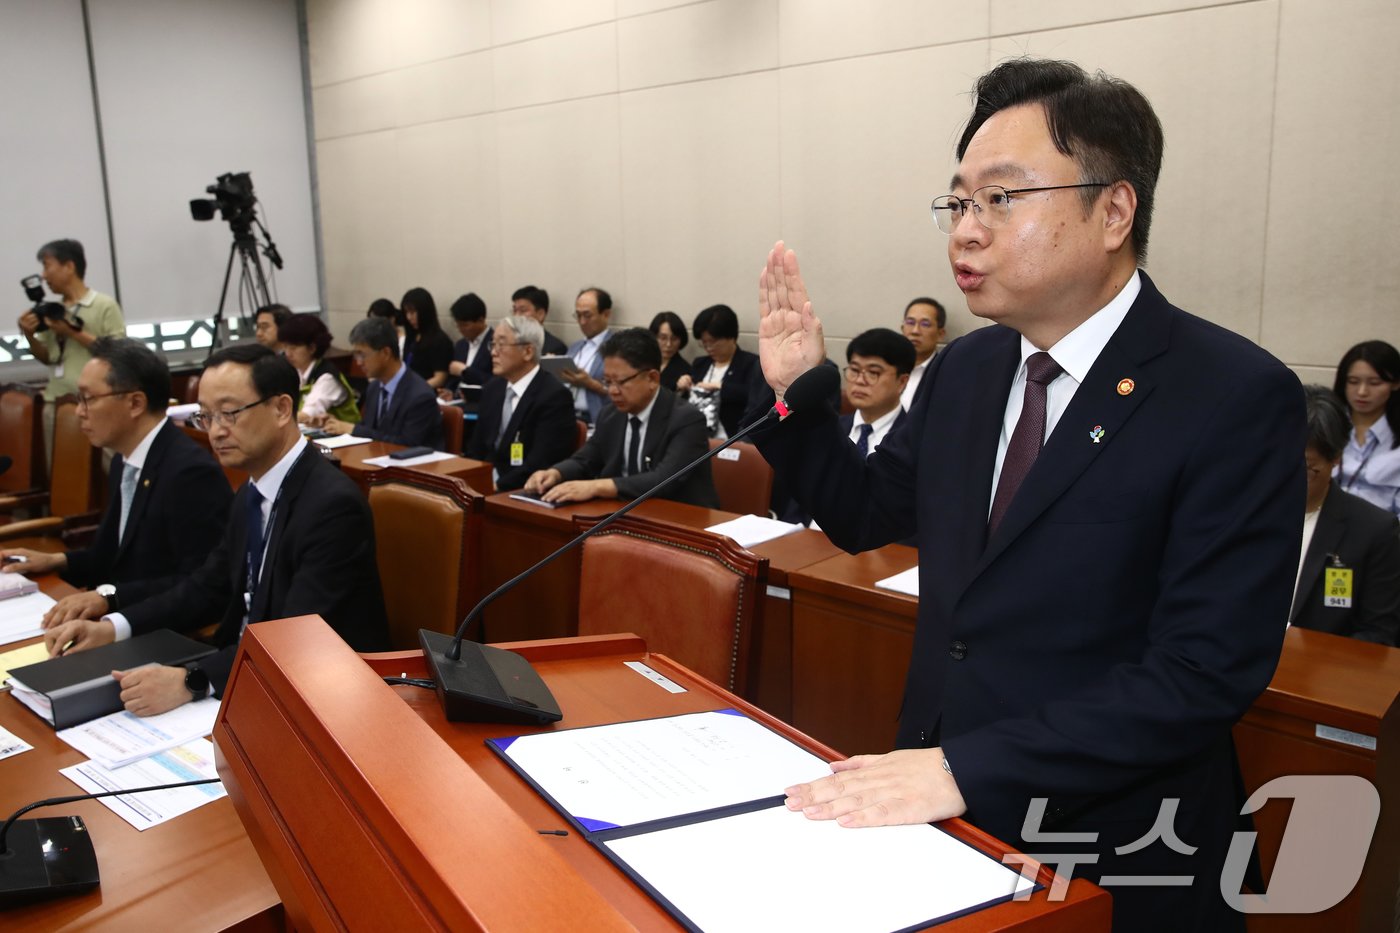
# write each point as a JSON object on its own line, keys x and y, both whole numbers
{"x": 369, "y": 810}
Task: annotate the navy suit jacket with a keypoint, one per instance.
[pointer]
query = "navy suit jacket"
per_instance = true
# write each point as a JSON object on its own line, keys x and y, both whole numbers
{"x": 413, "y": 418}
{"x": 319, "y": 559}
{"x": 177, "y": 516}
{"x": 675, "y": 435}
{"x": 479, "y": 372}
{"x": 542, "y": 420}
{"x": 1098, "y": 648}
{"x": 1362, "y": 537}
{"x": 553, "y": 346}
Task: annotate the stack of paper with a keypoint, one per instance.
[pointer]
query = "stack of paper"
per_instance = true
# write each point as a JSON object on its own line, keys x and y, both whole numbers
{"x": 188, "y": 762}
{"x": 906, "y": 582}
{"x": 387, "y": 461}
{"x": 751, "y": 530}
{"x": 16, "y": 584}
{"x": 20, "y": 617}
{"x": 343, "y": 440}
{"x": 118, "y": 739}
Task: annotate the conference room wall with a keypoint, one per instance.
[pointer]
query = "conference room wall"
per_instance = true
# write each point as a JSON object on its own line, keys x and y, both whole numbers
{"x": 658, "y": 148}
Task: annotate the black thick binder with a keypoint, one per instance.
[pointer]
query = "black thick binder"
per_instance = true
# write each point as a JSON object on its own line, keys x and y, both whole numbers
{"x": 80, "y": 685}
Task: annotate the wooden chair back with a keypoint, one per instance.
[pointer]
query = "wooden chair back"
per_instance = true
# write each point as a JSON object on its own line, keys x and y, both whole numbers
{"x": 743, "y": 479}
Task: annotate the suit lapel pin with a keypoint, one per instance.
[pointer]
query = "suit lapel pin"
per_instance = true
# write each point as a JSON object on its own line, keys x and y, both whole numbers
{"x": 146, "y": 483}
{"x": 1096, "y": 435}
{"x": 1126, "y": 386}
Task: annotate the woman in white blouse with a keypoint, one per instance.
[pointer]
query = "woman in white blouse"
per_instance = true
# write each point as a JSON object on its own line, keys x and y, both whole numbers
{"x": 1368, "y": 382}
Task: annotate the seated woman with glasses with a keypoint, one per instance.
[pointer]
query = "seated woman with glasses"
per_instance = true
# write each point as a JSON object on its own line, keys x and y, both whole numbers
{"x": 669, "y": 330}
{"x": 1368, "y": 383}
{"x": 725, "y": 369}
{"x": 324, "y": 389}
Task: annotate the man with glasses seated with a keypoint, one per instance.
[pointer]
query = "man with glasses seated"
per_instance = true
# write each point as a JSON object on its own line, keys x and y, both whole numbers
{"x": 593, "y": 311}
{"x": 399, "y": 407}
{"x": 642, "y": 438}
{"x": 526, "y": 417}
{"x": 300, "y": 541}
{"x": 925, "y": 325}
{"x": 149, "y": 537}
{"x": 878, "y": 362}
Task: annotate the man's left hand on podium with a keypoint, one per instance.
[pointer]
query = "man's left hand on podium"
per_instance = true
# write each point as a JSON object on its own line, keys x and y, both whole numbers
{"x": 905, "y": 786}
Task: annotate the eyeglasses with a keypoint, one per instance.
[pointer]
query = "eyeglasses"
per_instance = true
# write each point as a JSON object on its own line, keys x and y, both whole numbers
{"x": 85, "y": 400}
{"x": 502, "y": 344}
{"x": 868, "y": 375}
{"x": 609, "y": 385}
{"x": 921, "y": 323}
{"x": 204, "y": 420}
{"x": 991, "y": 204}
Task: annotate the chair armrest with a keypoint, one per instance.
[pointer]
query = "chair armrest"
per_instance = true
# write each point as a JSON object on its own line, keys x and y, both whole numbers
{"x": 25, "y": 500}
{"x": 33, "y": 526}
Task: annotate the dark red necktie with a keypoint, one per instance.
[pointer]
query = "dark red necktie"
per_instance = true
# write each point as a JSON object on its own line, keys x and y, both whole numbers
{"x": 1027, "y": 438}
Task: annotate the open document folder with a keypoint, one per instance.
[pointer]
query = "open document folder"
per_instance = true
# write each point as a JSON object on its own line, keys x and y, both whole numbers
{"x": 691, "y": 808}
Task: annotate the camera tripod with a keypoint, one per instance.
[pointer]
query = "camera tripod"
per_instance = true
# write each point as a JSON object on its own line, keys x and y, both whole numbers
{"x": 252, "y": 280}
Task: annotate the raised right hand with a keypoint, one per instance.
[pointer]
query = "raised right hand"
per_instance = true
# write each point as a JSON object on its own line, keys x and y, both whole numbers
{"x": 790, "y": 340}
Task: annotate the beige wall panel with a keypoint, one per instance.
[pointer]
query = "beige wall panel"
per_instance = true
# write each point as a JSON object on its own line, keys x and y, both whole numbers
{"x": 451, "y": 209}
{"x": 640, "y": 7}
{"x": 700, "y": 196}
{"x": 351, "y": 38}
{"x": 561, "y": 223}
{"x": 581, "y": 63}
{"x": 436, "y": 29}
{"x": 821, "y": 30}
{"x": 1011, "y": 16}
{"x": 360, "y": 105}
{"x": 514, "y": 20}
{"x": 706, "y": 40}
{"x": 361, "y": 218}
{"x": 454, "y": 87}
{"x": 867, "y": 143}
{"x": 1209, "y": 75}
{"x": 1331, "y": 275}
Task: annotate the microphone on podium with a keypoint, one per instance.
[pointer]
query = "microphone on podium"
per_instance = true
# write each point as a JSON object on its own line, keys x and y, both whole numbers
{"x": 478, "y": 683}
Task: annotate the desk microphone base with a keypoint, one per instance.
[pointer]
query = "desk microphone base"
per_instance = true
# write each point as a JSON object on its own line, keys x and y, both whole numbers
{"x": 52, "y": 857}
{"x": 487, "y": 684}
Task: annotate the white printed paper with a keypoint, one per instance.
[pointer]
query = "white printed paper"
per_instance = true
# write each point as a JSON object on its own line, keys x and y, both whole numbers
{"x": 387, "y": 461}
{"x": 120, "y": 738}
{"x": 11, "y": 744}
{"x": 752, "y": 530}
{"x": 188, "y": 762}
{"x": 21, "y": 616}
{"x": 906, "y": 582}
{"x": 341, "y": 440}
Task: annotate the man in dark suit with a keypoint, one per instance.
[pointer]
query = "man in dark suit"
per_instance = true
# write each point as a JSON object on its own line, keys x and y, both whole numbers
{"x": 167, "y": 499}
{"x": 1349, "y": 581}
{"x": 399, "y": 407}
{"x": 538, "y": 411}
{"x": 878, "y": 362}
{"x": 471, "y": 356}
{"x": 533, "y": 302}
{"x": 1106, "y": 494}
{"x": 300, "y": 541}
{"x": 642, "y": 438}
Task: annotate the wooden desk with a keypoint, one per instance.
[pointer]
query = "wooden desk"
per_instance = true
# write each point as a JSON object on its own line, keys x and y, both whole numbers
{"x": 196, "y": 872}
{"x": 476, "y": 473}
{"x": 368, "y": 806}
{"x": 519, "y": 534}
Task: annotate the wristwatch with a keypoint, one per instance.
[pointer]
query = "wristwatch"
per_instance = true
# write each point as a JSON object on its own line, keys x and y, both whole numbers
{"x": 196, "y": 682}
{"x": 108, "y": 592}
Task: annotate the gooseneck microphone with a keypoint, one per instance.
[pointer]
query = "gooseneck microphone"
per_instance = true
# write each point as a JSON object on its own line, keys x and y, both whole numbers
{"x": 472, "y": 687}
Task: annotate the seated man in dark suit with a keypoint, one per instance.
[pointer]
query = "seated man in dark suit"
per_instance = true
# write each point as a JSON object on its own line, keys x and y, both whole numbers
{"x": 300, "y": 541}
{"x": 1349, "y": 579}
{"x": 167, "y": 500}
{"x": 471, "y": 356}
{"x": 533, "y": 302}
{"x": 526, "y": 419}
{"x": 644, "y": 437}
{"x": 399, "y": 407}
{"x": 878, "y": 363}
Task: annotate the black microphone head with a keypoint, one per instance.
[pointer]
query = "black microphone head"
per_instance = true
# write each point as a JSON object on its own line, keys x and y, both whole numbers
{"x": 5, "y": 463}
{"x": 812, "y": 388}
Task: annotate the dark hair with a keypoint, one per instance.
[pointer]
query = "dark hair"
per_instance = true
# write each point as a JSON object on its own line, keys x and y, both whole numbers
{"x": 421, "y": 301}
{"x": 1103, "y": 123}
{"x": 939, "y": 313}
{"x": 281, "y": 314}
{"x": 1385, "y": 360}
{"x": 884, "y": 344}
{"x": 376, "y": 333}
{"x": 271, "y": 373}
{"x": 305, "y": 330}
{"x": 384, "y": 308}
{"x": 536, "y": 296}
{"x": 604, "y": 299}
{"x": 134, "y": 367}
{"x": 677, "y": 326}
{"x": 635, "y": 346}
{"x": 718, "y": 321}
{"x": 1327, "y": 422}
{"x": 65, "y": 251}
{"x": 469, "y": 308}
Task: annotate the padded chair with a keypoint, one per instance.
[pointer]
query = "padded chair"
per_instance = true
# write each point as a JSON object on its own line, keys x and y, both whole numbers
{"x": 22, "y": 440}
{"x": 427, "y": 531}
{"x": 743, "y": 479}
{"x": 191, "y": 393}
{"x": 691, "y": 594}
{"x": 580, "y": 434}
{"x": 453, "y": 428}
{"x": 74, "y": 499}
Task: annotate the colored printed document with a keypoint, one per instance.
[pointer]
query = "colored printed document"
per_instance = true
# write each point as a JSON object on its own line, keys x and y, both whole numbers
{"x": 11, "y": 744}
{"x": 19, "y": 657}
{"x": 189, "y": 762}
{"x": 120, "y": 738}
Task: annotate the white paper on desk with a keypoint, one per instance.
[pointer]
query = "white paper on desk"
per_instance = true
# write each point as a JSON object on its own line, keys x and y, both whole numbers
{"x": 631, "y": 772}
{"x": 341, "y": 440}
{"x": 906, "y": 582}
{"x": 188, "y": 762}
{"x": 11, "y": 744}
{"x": 181, "y": 413}
{"x": 751, "y": 530}
{"x": 120, "y": 738}
{"x": 387, "y": 461}
{"x": 20, "y": 617}
{"x": 775, "y": 869}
